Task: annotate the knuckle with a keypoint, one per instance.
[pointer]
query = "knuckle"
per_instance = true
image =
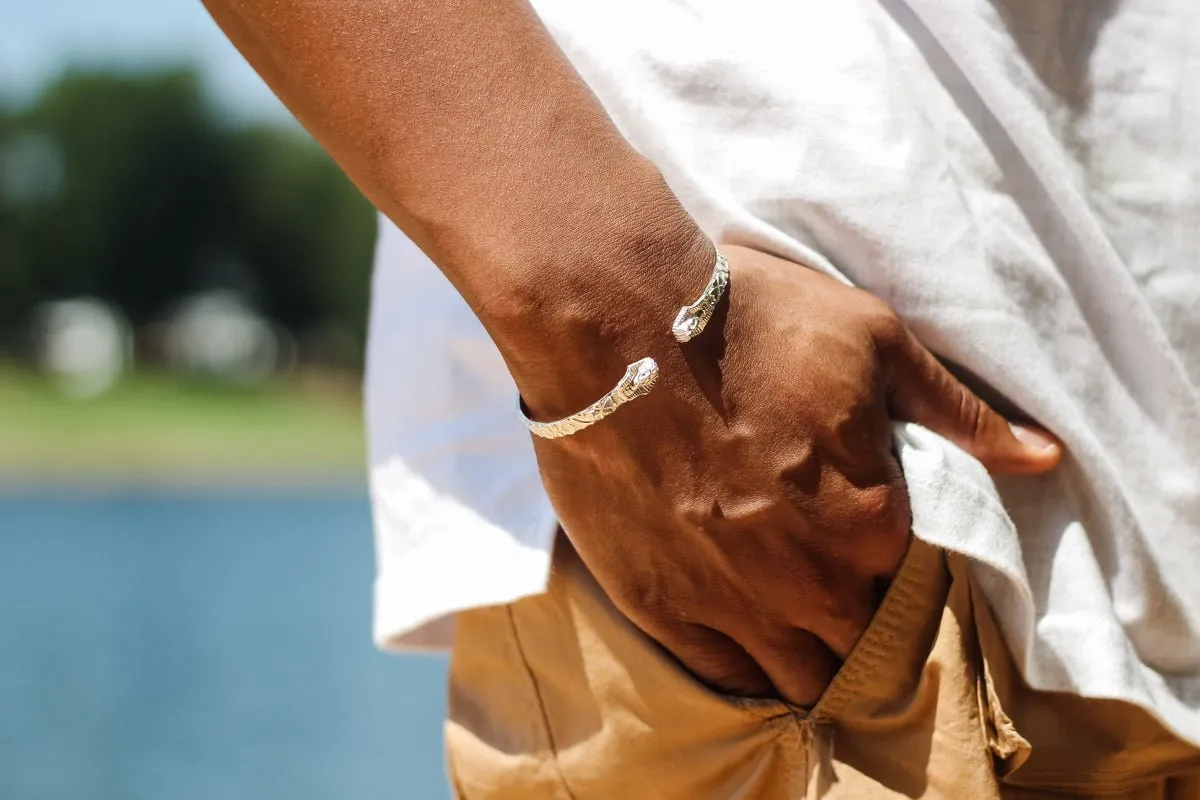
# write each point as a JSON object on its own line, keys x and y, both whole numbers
{"x": 886, "y": 520}
{"x": 973, "y": 414}
{"x": 884, "y": 508}
{"x": 884, "y": 323}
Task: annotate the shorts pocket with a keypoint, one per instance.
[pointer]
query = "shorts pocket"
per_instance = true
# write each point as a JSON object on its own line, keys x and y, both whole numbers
{"x": 888, "y": 660}
{"x": 623, "y": 719}
{"x": 648, "y": 674}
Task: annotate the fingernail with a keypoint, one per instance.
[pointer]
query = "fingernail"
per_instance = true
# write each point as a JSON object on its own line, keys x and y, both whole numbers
{"x": 1033, "y": 438}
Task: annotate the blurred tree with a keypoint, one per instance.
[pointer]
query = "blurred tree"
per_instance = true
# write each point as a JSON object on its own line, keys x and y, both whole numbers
{"x": 125, "y": 187}
{"x": 133, "y": 211}
{"x": 308, "y": 233}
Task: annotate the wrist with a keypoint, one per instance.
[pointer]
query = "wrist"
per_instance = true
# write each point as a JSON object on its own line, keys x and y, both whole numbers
{"x": 570, "y": 318}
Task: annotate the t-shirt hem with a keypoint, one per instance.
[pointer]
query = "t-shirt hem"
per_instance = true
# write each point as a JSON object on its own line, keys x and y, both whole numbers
{"x": 415, "y": 602}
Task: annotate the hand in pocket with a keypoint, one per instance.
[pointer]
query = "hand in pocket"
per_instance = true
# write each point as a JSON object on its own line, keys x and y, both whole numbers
{"x": 749, "y": 512}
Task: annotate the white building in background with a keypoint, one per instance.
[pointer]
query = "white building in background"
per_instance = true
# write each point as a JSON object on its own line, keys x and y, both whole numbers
{"x": 84, "y": 342}
{"x": 217, "y": 333}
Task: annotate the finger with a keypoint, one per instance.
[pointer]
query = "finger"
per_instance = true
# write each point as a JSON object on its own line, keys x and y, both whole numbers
{"x": 717, "y": 661}
{"x": 871, "y": 504}
{"x": 844, "y": 601}
{"x": 923, "y": 391}
{"x": 797, "y": 662}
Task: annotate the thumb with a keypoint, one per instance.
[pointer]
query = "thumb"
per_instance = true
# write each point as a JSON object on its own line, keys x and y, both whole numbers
{"x": 923, "y": 391}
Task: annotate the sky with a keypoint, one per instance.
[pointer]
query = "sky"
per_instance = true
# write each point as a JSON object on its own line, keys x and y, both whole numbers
{"x": 40, "y": 38}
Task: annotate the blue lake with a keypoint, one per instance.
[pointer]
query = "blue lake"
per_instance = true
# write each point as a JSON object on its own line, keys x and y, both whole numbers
{"x": 203, "y": 646}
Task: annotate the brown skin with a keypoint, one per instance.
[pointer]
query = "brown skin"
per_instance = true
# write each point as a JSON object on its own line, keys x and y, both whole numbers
{"x": 746, "y": 514}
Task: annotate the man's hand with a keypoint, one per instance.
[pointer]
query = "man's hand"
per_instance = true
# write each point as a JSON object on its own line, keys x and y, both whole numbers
{"x": 749, "y": 513}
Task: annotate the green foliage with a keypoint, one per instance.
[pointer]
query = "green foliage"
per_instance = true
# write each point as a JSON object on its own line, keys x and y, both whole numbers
{"x": 126, "y": 187}
{"x": 293, "y": 211}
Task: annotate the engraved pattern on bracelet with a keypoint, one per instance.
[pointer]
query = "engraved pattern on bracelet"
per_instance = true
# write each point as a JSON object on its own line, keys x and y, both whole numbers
{"x": 638, "y": 380}
{"x": 692, "y": 320}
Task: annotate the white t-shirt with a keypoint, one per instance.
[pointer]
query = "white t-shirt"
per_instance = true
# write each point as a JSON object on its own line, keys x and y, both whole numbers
{"x": 1020, "y": 179}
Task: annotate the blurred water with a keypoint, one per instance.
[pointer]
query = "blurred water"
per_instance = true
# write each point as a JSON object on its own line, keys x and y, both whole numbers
{"x": 203, "y": 646}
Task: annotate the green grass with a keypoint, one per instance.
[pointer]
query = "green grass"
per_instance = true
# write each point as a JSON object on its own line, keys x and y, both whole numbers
{"x": 158, "y": 428}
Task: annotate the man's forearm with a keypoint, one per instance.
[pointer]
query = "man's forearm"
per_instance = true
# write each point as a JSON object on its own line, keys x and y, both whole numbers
{"x": 466, "y": 125}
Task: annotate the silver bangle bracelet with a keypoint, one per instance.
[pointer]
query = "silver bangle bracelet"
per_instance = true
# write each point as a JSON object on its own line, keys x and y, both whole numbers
{"x": 640, "y": 376}
{"x": 691, "y": 320}
{"x": 638, "y": 380}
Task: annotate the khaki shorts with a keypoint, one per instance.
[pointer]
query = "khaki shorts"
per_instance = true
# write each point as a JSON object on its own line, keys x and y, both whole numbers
{"x": 559, "y": 696}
